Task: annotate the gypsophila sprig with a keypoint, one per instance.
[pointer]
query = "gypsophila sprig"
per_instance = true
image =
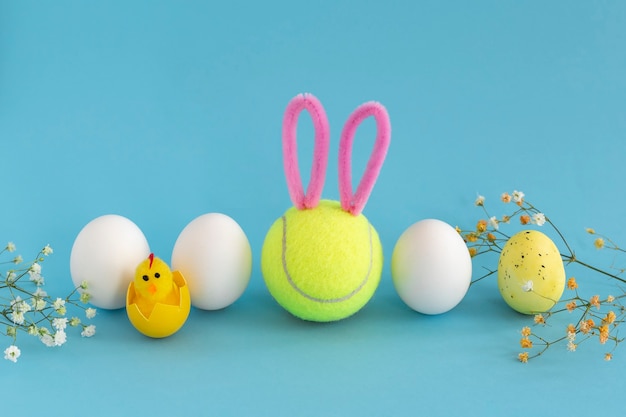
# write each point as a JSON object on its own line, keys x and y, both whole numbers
{"x": 594, "y": 318}
{"x": 25, "y": 307}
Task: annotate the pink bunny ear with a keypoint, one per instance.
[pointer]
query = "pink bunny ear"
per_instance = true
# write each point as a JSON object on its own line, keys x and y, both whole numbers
{"x": 290, "y": 150}
{"x": 354, "y": 203}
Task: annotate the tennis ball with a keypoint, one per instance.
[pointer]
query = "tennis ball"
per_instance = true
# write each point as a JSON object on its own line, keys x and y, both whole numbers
{"x": 322, "y": 264}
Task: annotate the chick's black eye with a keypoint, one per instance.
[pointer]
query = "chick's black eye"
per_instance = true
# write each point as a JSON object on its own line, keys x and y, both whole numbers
{"x": 145, "y": 278}
{"x": 157, "y": 275}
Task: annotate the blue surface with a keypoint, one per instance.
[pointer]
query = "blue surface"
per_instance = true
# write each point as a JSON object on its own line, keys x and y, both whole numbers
{"x": 162, "y": 111}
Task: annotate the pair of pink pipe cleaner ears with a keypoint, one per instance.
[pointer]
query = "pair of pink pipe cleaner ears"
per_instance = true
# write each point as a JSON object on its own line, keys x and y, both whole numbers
{"x": 352, "y": 203}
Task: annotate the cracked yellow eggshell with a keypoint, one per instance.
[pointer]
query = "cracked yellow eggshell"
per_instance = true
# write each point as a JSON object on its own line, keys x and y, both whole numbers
{"x": 531, "y": 275}
{"x": 165, "y": 319}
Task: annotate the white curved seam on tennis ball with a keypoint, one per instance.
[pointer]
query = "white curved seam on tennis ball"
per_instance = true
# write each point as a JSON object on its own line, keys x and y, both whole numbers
{"x": 324, "y": 300}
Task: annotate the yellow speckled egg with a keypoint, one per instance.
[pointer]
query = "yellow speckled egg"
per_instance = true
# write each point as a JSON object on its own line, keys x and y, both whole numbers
{"x": 531, "y": 275}
{"x": 165, "y": 319}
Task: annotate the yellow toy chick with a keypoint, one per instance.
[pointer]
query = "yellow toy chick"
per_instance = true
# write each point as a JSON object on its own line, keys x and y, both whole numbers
{"x": 154, "y": 284}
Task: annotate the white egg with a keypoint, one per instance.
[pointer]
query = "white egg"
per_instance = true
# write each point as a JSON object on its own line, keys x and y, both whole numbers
{"x": 214, "y": 255}
{"x": 106, "y": 253}
{"x": 431, "y": 267}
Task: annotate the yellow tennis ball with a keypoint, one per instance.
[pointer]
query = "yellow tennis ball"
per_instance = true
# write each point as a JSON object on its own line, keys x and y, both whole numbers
{"x": 531, "y": 275}
{"x": 322, "y": 264}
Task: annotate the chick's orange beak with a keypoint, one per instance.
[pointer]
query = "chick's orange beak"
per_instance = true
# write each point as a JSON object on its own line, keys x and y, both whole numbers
{"x": 152, "y": 289}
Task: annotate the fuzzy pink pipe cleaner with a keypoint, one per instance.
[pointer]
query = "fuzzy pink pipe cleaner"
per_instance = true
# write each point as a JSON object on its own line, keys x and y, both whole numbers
{"x": 354, "y": 203}
{"x": 290, "y": 151}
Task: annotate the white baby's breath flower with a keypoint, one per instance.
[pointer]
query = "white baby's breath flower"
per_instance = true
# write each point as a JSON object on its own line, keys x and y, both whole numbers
{"x": 84, "y": 285}
{"x": 74, "y": 321}
{"x": 37, "y": 280}
{"x": 32, "y": 330}
{"x": 90, "y": 313}
{"x": 60, "y": 338}
{"x": 18, "y": 259}
{"x": 493, "y": 222}
{"x": 38, "y": 303}
{"x": 39, "y": 292}
{"x": 518, "y": 196}
{"x": 19, "y": 306}
{"x": 85, "y": 297}
{"x": 12, "y": 353}
{"x": 59, "y": 323}
{"x": 539, "y": 219}
{"x": 528, "y": 286}
{"x": 15, "y": 303}
{"x": 35, "y": 274}
{"x": 88, "y": 331}
{"x": 10, "y": 247}
{"x": 47, "y": 340}
{"x": 59, "y": 306}
{"x": 47, "y": 250}
{"x": 34, "y": 269}
{"x": 17, "y": 317}
{"x": 480, "y": 200}
{"x": 571, "y": 346}
{"x": 11, "y": 276}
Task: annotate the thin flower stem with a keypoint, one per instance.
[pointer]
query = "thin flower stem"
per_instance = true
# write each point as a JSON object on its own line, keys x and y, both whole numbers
{"x": 569, "y": 249}
{"x": 593, "y": 268}
{"x": 488, "y": 274}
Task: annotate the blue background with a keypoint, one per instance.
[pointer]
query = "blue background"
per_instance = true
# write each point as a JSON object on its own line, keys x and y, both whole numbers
{"x": 161, "y": 111}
